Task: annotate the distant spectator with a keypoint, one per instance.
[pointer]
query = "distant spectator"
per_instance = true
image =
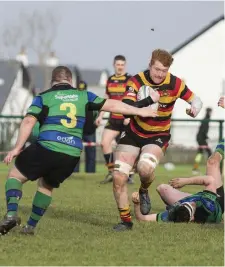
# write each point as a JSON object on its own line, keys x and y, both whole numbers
{"x": 52, "y": 60}
{"x": 202, "y": 137}
{"x": 89, "y": 136}
{"x": 22, "y": 56}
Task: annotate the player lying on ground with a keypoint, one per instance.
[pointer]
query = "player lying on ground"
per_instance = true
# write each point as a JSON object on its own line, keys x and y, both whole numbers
{"x": 147, "y": 139}
{"x": 203, "y": 207}
{"x": 61, "y": 113}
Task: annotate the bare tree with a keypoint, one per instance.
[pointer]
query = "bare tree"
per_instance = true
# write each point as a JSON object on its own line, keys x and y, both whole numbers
{"x": 36, "y": 31}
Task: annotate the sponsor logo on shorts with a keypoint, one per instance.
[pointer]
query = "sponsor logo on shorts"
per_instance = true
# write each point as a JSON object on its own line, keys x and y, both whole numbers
{"x": 159, "y": 140}
{"x": 64, "y": 97}
{"x": 66, "y": 140}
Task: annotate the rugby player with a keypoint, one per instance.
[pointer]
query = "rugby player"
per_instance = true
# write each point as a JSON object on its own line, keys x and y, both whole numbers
{"x": 53, "y": 157}
{"x": 115, "y": 89}
{"x": 202, "y": 207}
{"x": 148, "y": 138}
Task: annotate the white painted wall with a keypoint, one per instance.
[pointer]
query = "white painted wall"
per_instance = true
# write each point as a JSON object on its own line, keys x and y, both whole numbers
{"x": 18, "y": 98}
{"x": 201, "y": 65}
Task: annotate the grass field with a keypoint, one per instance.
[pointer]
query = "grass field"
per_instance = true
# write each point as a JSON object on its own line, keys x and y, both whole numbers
{"x": 77, "y": 230}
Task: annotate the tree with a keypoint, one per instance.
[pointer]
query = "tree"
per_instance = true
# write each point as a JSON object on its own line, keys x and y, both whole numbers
{"x": 36, "y": 31}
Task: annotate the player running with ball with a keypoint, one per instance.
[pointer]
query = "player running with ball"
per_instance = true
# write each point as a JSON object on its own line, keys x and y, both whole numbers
{"x": 148, "y": 137}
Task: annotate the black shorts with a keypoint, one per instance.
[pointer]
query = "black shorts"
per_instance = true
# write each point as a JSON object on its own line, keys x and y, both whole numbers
{"x": 36, "y": 161}
{"x": 133, "y": 139}
{"x": 115, "y": 125}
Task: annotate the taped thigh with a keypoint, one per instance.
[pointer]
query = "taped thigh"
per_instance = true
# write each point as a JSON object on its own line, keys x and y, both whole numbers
{"x": 122, "y": 167}
{"x": 128, "y": 148}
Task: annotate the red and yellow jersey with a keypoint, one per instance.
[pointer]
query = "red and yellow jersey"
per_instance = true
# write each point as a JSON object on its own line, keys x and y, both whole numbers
{"x": 170, "y": 90}
{"x": 115, "y": 89}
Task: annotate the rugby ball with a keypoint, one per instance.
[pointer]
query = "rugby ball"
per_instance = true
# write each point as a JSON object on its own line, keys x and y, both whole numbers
{"x": 143, "y": 92}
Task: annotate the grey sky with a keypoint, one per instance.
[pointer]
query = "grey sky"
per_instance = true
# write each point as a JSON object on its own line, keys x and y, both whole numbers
{"x": 90, "y": 34}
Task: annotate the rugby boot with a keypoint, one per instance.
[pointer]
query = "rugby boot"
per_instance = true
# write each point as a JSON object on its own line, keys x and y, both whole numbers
{"x": 123, "y": 226}
{"x": 145, "y": 202}
{"x": 27, "y": 230}
{"x": 8, "y": 223}
{"x": 108, "y": 178}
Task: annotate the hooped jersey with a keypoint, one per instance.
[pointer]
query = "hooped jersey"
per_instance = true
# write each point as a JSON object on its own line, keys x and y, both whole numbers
{"x": 170, "y": 90}
{"x": 61, "y": 113}
{"x": 115, "y": 89}
{"x": 206, "y": 203}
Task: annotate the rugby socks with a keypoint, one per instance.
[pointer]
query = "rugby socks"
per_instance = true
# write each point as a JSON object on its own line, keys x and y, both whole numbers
{"x": 198, "y": 159}
{"x": 40, "y": 204}
{"x": 125, "y": 214}
{"x": 109, "y": 161}
{"x": 144, "y": 187}
{"x": 13, "y": 192}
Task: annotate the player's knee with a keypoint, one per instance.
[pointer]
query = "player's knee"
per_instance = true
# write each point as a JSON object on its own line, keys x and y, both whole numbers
{"x": 146, "y": 165}
{"x": 15, "y": 173}
{"x": 213, "y": 160}
{"x": 162, "y": 188}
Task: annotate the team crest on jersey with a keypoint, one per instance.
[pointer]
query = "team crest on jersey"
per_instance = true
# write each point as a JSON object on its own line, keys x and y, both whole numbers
{"x": 165, "y": 93}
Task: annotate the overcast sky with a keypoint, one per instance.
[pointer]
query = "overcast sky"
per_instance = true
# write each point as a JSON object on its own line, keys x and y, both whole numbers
{"x": 90, "y": 34}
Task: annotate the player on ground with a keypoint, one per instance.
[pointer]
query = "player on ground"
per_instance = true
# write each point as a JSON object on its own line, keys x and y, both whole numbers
{"x": 61, "y": 114}
{"x": 206, "y": 206}
{"x": 115, "y": 89}
{"x": 148, "y": 137}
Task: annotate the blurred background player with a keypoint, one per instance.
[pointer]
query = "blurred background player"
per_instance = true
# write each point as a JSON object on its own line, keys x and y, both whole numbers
{"x": 201, "y": 138}
{"x": 89, "y": 135}
{"x": 148, "y": 138}
{"x": 115, "y": 89}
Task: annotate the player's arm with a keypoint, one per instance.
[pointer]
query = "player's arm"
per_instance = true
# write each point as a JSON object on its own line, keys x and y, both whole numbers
{"x": 139, "y": 216}
{"x": 29, "y": 121}
{"x": 26, "y": 128}
{"x": 111, "y": 105}
{"x": 187, "y": 95}
{"x": 208, "y": 182}
{"x": 221, "y": 102}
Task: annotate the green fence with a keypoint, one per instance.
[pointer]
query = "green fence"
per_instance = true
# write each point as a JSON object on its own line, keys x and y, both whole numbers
{"x": 182, "y": 145}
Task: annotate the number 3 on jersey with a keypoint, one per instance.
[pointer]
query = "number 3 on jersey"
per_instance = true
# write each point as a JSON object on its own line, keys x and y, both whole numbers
{"x": 71, "y": 115}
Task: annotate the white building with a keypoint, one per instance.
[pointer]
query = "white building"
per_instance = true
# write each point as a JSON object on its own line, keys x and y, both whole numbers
{"x": 200, "y": 63}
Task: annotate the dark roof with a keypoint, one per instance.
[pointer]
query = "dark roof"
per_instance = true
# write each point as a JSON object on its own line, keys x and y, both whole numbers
{"x": 195, "y": 36}
{"x": 8, "y": 73}
{"x": 92, "y": 77}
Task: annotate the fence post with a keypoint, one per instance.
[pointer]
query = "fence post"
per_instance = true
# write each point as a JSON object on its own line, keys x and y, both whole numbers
{"x": 220, "y": 130}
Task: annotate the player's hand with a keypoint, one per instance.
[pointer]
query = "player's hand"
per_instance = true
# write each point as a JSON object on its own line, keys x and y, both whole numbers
{"x": 154, "y": 95}
{"x": 147, "y": 112}
{"x": 177, "y": 182}
{"x": 98, "y": 121}
{"x": 221, "y": 102}
{"x": 11, "y": 155}
{"x": 135, "y": 198}
{"x": 192, "y": 112}
{"x": 126, "y": 121}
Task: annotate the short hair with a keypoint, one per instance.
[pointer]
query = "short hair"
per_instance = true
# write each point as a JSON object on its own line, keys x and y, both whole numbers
{"x": 61, "y": 73}
{"x": 119, "y": 57}
{"x": 181, "y": 214}
{"x": 162, "y": 56}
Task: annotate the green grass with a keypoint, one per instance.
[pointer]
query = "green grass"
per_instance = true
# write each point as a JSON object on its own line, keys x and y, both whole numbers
{"x": 77, "y": 230}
